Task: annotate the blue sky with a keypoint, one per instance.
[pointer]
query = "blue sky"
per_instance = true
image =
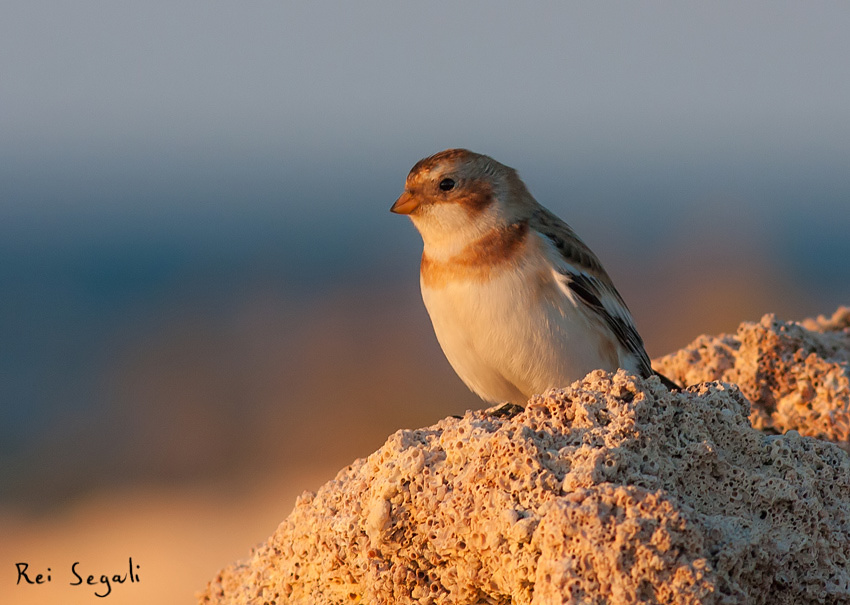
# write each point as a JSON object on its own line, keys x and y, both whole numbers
{"x": 100, "y": 93}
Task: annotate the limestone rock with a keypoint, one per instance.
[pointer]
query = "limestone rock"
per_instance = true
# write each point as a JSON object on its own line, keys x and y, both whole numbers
{"x": 795, "y": 374}
{"x": 612, "y": 490}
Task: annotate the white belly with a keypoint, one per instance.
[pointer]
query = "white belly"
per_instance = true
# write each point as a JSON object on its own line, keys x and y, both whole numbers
{"x": 515, "y": 335}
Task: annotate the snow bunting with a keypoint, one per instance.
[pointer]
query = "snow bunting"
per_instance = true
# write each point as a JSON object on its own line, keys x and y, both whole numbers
{"x": 519, "y": 303}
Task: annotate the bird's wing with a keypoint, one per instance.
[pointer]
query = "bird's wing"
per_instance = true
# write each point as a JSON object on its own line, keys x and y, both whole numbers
{"x": 584, "y": 281}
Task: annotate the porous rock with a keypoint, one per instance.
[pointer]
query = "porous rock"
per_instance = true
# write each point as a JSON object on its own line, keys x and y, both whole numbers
{"x": 795, "y": 374}
{"x": 612, "y": 490}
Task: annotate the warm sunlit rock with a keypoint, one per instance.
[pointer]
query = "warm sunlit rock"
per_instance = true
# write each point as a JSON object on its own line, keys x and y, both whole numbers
{"x": 794, "y": 374}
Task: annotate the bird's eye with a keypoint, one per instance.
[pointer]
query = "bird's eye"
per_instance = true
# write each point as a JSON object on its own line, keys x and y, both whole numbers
{"x": 447, "y": 184}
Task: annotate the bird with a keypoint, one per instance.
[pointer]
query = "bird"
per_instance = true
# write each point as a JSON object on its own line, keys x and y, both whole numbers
{"x": 519, "y": 303}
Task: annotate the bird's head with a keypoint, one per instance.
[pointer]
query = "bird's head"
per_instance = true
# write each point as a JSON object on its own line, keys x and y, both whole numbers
{"x": 456, "y": 196}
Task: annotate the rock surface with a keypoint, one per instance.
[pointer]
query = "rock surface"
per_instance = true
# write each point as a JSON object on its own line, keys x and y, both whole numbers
{"x": 794, "y": 374}
{"x": 612, "y": 490}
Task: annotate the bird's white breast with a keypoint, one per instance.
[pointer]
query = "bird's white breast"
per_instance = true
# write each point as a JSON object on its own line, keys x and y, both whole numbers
{"x": 511, "y": 332}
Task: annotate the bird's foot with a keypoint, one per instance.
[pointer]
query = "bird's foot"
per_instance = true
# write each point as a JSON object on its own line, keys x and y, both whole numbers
{"x": 505, "y": 410}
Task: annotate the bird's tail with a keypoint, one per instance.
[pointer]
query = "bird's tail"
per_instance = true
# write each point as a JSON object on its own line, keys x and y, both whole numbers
{"x": 667, "y": 382}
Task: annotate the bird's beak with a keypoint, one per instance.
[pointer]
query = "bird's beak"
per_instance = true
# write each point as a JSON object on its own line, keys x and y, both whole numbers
{"x": 405, "y": 204}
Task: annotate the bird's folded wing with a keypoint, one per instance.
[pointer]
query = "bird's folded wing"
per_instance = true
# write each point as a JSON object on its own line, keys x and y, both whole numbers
{"x": 583, "y": 280}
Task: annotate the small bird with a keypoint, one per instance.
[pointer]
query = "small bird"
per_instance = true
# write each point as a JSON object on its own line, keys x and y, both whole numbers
{"x": 518, "y": 302}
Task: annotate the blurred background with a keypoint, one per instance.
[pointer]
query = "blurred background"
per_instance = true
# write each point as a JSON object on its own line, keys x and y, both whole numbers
{"x": 206, "y": 306}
